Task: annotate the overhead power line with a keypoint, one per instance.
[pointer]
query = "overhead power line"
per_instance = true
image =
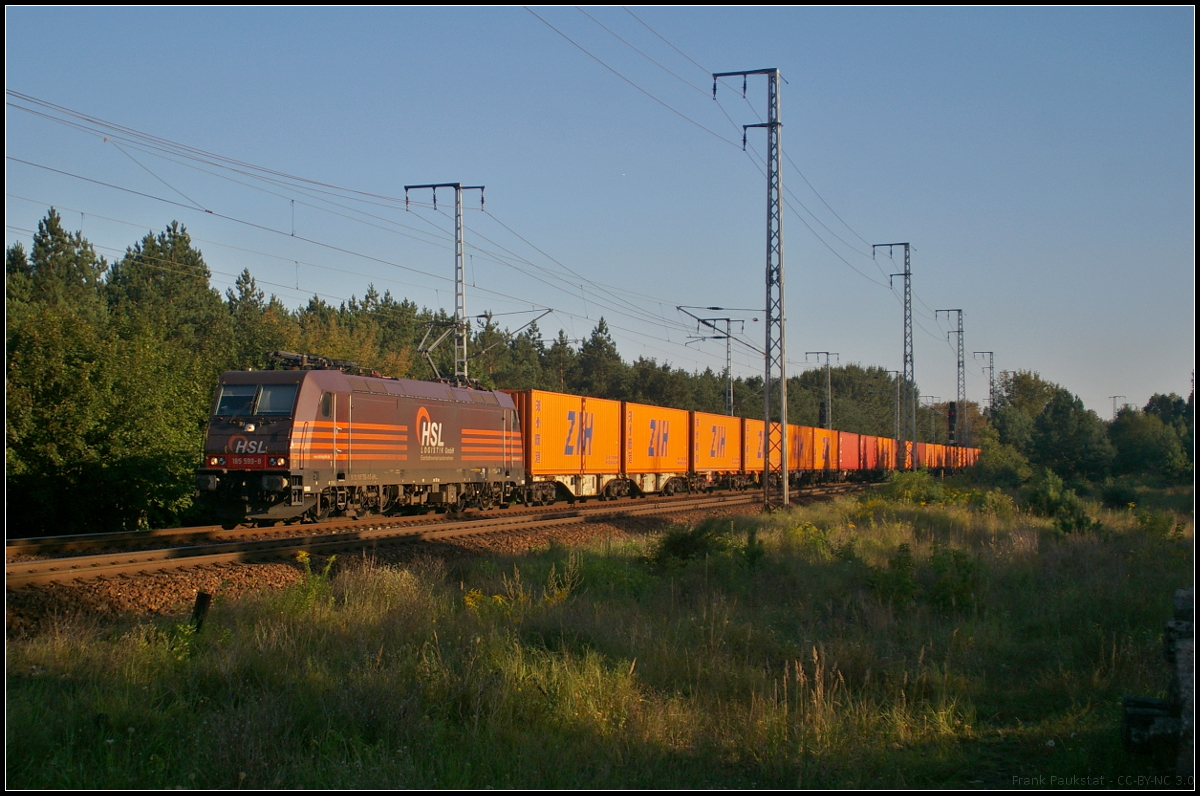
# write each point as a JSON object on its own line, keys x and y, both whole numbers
{"x": 250, "y": 171}
{"x": 595, "y": 58}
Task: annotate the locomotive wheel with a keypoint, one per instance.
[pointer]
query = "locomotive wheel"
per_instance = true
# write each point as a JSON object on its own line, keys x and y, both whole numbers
{"x": 321, "y": 510}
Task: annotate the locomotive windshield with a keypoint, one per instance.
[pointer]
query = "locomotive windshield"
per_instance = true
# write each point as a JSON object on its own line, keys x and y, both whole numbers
{"x": 256, "y": 399}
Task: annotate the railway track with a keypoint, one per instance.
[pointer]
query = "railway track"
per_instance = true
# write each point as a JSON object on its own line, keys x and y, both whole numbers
{"x": 181, "y": 548}
{"x": 78, "y": 544}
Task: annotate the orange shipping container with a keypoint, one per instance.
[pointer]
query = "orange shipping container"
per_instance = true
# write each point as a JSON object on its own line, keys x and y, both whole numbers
{"x": 825, "y": 449}
{"x": 921, "y": 455}
{"x": 656, "y": 439}
{"x": 886, "y": 453}
{"x": 800, "y": 442}
{"x": 716, "y": 443}
{"x": 569, "y": 434}
{"x": 869, "y": 445}
{"x": 752, "y": 445}
{"x": 849, "y": 451}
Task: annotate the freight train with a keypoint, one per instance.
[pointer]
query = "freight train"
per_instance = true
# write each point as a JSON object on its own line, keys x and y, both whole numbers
{"x": 318, "y": 441}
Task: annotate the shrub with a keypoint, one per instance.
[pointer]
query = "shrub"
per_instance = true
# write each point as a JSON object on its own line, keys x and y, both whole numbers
{"x": 898, "y": 583}
{"x": 1117, "y": 494}
{"x": 561, "y": 585}
{"x": 681, "y": 545}
{"x": 917, "y": 486}
{"x": 951, "y": 580}
{"x": 999, "y": 464}
{"x": 1159, "y": 524}
{"x": 957, "y": 579}
{"x": 753, "y": 551}
{"x": 809, "y": 540}
{"x": 313, "y": 587}
{"x": 712, "y": 538}
{"x": 993, "y": 501}
{"x": 1048, "y": 497}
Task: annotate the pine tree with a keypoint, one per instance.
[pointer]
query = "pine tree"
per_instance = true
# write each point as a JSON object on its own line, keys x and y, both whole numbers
{"x": 601, "y": 371}
{"x": 162, "y": 283}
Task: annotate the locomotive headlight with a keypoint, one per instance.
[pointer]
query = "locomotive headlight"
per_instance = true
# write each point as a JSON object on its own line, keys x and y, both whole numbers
{"x": 207, "y": 483}
{"x": 274, "y": 483}
{"x": 277, "y": 461}
{"x": 216, "y": 461}
{"x": 250, "y": 426}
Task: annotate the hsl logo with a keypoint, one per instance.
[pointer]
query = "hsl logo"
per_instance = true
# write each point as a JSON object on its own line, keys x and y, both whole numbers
{"x": 429, "y": 432}
{"x": 579, "y": 434}
{"x": 658, "y": 437}
{"x": 239, "y": 444}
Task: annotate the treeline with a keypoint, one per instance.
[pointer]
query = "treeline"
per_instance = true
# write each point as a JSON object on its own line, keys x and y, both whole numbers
{"x": 111, "y": 369}
{"x": 1039, "y": 425}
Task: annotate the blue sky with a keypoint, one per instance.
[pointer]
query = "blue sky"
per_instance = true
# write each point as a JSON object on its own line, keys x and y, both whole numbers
{"x": 1040, "y": 161}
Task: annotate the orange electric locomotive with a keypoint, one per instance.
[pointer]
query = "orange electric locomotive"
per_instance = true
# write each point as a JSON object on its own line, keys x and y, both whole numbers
{"x": 307, "y": 443}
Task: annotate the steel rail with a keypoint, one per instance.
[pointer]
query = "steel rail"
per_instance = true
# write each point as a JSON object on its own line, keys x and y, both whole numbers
{"x": 42, "y": 545}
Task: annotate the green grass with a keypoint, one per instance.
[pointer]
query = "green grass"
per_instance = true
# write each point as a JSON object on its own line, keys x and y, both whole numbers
{"x": 852, "y": 644}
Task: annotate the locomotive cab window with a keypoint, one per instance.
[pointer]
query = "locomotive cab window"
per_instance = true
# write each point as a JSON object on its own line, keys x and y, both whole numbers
{"x": 256, "y": 399}
{"x": 277, "y": 399}
{"x": 236, "y": 399}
